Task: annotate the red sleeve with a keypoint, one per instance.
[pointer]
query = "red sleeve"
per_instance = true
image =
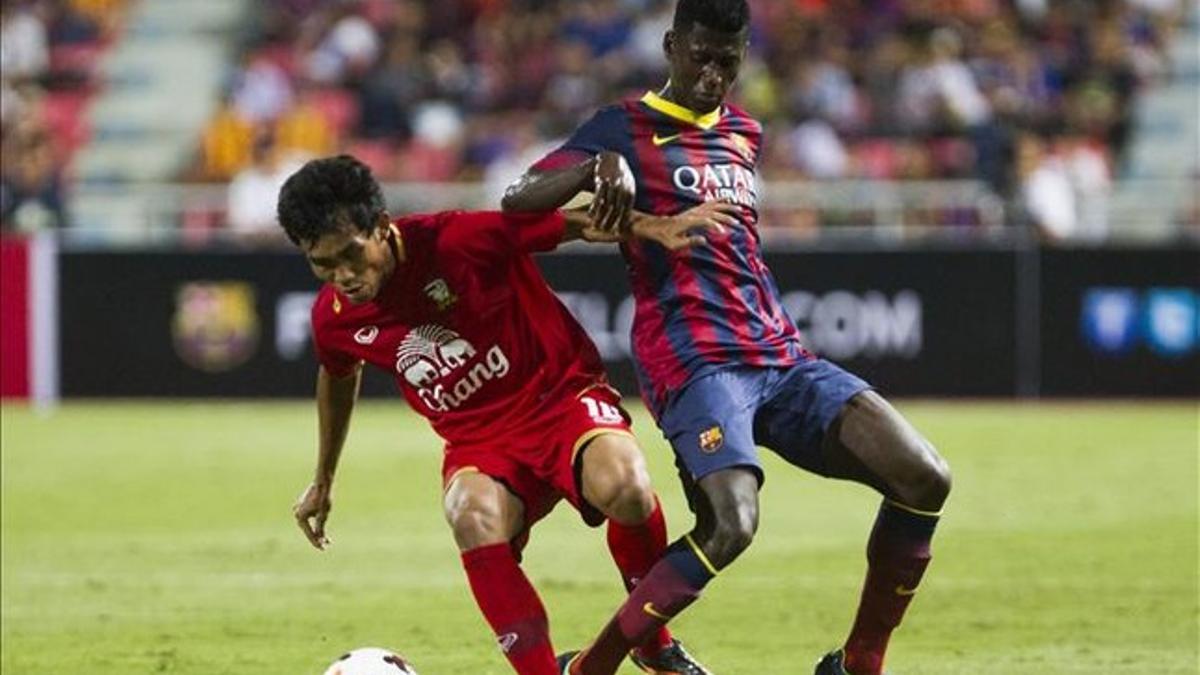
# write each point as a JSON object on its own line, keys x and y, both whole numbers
{"x": 537, "y": 231}
{"x": 338, "y": 363}
{"x": 493, "y": 236}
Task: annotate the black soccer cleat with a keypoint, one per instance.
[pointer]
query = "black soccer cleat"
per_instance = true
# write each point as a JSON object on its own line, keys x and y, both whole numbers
{"x": 671, "y": 660}
{"x": 833, "y": 664}
{"x": 564, "y": 661}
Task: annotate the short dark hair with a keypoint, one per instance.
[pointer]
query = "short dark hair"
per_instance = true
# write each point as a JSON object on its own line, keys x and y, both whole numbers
{"x": 326, "y": 194}
{"x": 727, "y": 16}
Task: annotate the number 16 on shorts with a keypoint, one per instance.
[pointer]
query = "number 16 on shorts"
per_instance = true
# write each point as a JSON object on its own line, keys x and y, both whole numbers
{"x": 602, "y": 412}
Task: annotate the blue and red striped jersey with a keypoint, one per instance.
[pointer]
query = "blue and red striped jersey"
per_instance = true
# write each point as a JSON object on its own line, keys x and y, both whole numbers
{"x": 703, "y": 308}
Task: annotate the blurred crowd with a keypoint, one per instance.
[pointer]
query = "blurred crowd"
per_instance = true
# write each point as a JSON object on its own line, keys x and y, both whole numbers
{"x": 1032, "y": 97}
{"x": 48, "y": 50}
{"x": 1027, "y": 95}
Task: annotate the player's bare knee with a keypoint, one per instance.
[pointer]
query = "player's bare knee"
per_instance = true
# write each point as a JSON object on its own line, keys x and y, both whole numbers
{"x": 929, "y": 484}
{"x": 625, "y": 494}
{"x": 631, "y": 504}
{"x": 732, "y": 534}
{"x": 620, "y": 487}
{"x": 475, "y": 523}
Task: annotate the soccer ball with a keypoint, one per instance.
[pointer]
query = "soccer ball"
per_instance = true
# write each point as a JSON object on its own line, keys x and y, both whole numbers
{"x": 370, "y": 661}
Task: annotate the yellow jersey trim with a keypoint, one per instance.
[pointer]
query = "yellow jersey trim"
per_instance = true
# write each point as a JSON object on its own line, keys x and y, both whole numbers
{"x": 593, "y": 433}
{"x": 674, "y": 110}
{"x": 712, "y": 569}
{"x": 919, "y": 512}
{"x": 598, "y": 385}
{"x": 459, "y": 472}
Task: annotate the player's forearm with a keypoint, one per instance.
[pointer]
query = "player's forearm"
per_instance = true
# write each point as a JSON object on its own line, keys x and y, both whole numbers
{"x": 576, "y": 221}
{"x": 335, "y": 403}
{"x": 547, "y": 190}
{"x": 579, "y": 224}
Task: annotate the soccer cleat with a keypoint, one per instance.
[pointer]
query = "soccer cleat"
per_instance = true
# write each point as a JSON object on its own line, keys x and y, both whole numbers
{"x": 566, "y": 660}
{"x": 671, "y": 660}
{"x": 833, "y": 664}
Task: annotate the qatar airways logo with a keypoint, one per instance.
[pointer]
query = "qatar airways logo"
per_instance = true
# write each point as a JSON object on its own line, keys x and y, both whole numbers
{"x": 709, "y": 182}
{"x": 430, "y": 354}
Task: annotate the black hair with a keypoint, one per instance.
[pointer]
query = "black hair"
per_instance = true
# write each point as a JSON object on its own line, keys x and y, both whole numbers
{"x": 326, "y": 194}
{"x": 727, "y": 16}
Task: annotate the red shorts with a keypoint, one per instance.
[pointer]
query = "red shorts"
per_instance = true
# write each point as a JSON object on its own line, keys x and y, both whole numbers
{"x": 538, "y": 466}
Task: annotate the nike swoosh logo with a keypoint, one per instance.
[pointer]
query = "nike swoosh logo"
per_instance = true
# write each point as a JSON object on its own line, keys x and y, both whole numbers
{"x": 649, "y": 609}
{"x": 663, "y": 140}
{"x": 901, "y": 590}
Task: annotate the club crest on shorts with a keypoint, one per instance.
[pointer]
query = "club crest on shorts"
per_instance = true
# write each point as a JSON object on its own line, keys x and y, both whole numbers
{"x": 712, "y": 438}
{"x": 440, "y": 294}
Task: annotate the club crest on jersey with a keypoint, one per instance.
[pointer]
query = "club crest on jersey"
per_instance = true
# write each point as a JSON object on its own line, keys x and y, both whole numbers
{"x": 430, "y": 355}
{"x": 440, "y": 294}
{"x": 743, "y": 146}
{"x": 366, "y": 335}
{"x": 711, "y": 439}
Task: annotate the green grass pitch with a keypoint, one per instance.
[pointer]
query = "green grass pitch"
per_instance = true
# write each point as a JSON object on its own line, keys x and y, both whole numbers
{"x": 146, "y": 538}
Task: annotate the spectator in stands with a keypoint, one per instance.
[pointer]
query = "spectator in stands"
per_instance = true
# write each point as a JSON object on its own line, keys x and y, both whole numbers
{"x": 1065, "y": 184}
{"x": 391, "y": 90}
{"x": 24, "y": 45}
{"x": 261, "y": 89}
{"x": 87, "y": 20}
{"x": 253, "y": 192}
{"x": 31, "y": 186}
{"x": 645, "y": 42}
{"x": 346, "y": 48}
{"x": 937, "y": 91}
{"x": 449, "y": 73}
{"x": 304, "y": 128}
{"x": 226, "y": 145}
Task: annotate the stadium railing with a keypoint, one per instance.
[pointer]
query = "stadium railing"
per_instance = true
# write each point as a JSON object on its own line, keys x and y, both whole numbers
{"x": 169, "y": 213}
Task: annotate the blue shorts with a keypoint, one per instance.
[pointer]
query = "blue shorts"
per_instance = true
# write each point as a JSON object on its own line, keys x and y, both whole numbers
{"x": 717, "y": 421}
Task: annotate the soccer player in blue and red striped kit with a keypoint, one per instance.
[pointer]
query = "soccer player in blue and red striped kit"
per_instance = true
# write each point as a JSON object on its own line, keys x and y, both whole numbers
{"x": 721, "y": 365}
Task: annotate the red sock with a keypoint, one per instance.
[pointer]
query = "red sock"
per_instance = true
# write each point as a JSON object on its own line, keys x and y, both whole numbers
{"x": 674, "y": 583}
{"x": 512, "y": 607}
{"x": 636, "y": 548}
{"x": 897, "y": 555}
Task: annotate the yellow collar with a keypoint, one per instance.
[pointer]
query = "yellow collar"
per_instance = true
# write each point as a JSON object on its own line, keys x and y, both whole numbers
{"x": 671, "y": 109}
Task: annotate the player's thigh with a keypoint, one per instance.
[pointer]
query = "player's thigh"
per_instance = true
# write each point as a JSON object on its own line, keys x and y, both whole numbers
{"x": 595, "y": 460}
{"x": 481, "y": 510}
{"x": 801, "y": 411}
{"x": 873, "y": 435}
{"x": 613, "y": 477}
{"x": 710, "y": 426}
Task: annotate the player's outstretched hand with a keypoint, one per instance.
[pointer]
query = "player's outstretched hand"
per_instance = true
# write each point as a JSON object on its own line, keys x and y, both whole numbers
{"x": 614, "y": 191}
{"x": 311, "y": 510}
{"x": 688, "y": 229}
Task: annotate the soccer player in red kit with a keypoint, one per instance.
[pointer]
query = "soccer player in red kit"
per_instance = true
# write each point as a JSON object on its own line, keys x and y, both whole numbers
{"x": 453, "y": 306}
{"x": 721, "y": 365}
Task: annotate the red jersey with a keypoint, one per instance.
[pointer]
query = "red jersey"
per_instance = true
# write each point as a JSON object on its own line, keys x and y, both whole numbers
{"x": 477, "y": 342}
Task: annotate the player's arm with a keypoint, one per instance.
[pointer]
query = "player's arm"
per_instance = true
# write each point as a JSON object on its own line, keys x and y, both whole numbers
{"x": 589, "y": 161}
{"x": 335, "y": 403}
{"x": 682, "y": 230}
{"x": 555, "y": 181}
